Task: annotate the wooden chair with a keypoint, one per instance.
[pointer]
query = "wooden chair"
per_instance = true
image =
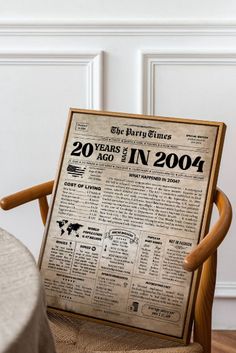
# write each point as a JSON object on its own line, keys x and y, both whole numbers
{"x": 204, "y": 257}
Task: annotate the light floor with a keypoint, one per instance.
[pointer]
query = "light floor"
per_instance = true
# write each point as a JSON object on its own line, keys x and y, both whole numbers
{"x": 224, "y": 342}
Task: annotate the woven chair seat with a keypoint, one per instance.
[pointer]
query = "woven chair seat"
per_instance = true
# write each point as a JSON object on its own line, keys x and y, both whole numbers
{"x": 73, "y": 335}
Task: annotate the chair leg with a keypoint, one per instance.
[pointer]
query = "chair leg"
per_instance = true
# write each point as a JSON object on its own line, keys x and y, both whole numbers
{"x": 203, "y": 306}
{"x": 43, "y": 205}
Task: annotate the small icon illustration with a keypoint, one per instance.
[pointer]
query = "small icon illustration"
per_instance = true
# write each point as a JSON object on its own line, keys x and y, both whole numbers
{"x": 133, "y": 238}
{"x": 73, "y": 228}
{"x": 69, "y": 228}
{"x": 75, "y": 171}
{"x": 62, "y": 225}
{"x": 134, "y": 307}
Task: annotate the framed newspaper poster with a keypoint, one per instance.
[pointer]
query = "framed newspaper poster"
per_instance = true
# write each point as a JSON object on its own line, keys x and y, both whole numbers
{"x": 132, "y": 198}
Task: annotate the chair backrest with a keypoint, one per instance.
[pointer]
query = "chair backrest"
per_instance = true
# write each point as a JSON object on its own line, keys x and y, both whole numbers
{"x": 206, "y": 288}
{"x": 205, "y": 252}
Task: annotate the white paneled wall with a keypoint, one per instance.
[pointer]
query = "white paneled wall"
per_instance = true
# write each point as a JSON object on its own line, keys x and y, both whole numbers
{"x": 159, "y": 59}
{"x": 37, "y": 88}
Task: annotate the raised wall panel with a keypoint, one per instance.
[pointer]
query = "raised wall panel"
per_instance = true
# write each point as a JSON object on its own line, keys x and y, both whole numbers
{"x": 198, "y": 85}
{"x": 186, "y": 83}
{"x": 37, "y": 90}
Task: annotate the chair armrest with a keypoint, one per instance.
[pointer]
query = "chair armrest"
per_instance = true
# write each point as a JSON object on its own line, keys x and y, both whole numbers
{"x": 192, "y": 261}
{"x": 212, "y": 240}
{"x": 27, "y": 195}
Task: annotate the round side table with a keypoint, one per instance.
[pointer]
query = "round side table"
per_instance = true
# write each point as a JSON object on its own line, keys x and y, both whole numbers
{"x": 23, "y": 320}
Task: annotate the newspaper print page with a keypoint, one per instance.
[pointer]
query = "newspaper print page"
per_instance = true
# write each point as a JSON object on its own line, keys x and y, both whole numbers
{"x": 127, "y": 210}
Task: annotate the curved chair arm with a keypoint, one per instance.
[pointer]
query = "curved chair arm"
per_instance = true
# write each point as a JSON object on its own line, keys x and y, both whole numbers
{"x": 212, "y": 240}
{"x": 27, "y": 195}
{"x": 39, "y": 192}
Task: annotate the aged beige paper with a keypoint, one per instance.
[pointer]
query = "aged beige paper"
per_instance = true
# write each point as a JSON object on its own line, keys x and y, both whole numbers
{"x": 128, "y": 207}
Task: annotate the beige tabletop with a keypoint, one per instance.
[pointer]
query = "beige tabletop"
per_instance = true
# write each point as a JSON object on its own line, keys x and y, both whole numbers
{"x": 23, "y": 321}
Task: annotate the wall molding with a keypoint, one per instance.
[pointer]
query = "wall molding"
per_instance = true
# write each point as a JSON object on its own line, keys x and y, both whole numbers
{"x": 150, "y": 61}
{"x": 225, "y": 290}
{"x": 117, "y": 28}
{"x": 92, "y": 61}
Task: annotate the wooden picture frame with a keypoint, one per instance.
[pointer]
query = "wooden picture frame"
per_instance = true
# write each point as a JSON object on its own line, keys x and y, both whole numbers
{"x": 133, "y": 195}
